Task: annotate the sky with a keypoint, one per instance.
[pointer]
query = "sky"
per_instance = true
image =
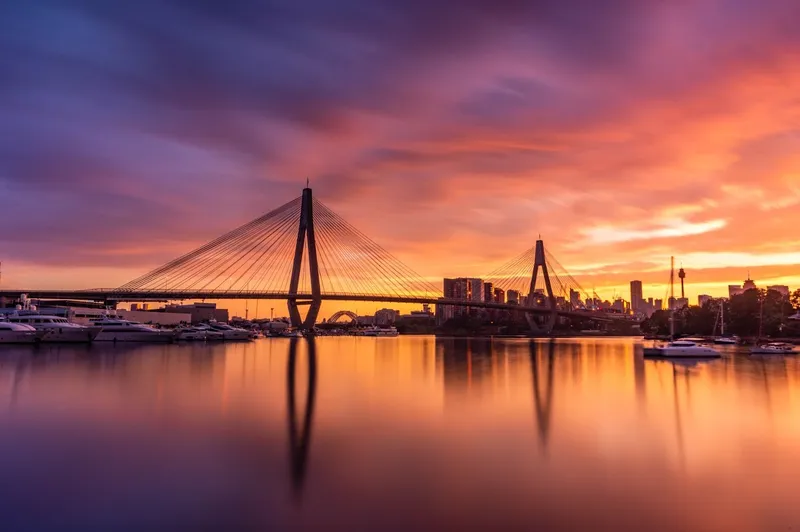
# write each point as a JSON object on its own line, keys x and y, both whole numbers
{"x": 622, "y": 132}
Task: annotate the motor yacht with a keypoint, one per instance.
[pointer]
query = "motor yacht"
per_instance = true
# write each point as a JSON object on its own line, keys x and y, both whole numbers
{"x": 191, "y": 334}
{"x": 119, "y": 330}
{"x": 682, "y": 348}
{"x": 726, "y": 340}
{"x": 56, "y": 328}
{"x": 381, "y": 331}
{"x": 18, "y": 333}
{"x": 230, "y": 334}
{"x": 773, "y": 348}
{"x": 212, "y": 335}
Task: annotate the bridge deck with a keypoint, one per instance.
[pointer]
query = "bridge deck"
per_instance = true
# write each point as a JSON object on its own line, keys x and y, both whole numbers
{"x": 167, "y": 295}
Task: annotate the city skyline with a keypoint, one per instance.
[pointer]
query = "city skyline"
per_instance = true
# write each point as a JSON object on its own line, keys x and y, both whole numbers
{"x": 674, "y": 137}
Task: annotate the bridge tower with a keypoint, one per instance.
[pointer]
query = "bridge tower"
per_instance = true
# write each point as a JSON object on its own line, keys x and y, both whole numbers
{"x": 540, "y": 261}
{"x": 305, "y": 237}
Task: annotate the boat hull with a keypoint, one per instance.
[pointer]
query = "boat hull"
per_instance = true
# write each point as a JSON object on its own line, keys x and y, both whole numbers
{"x": 70, "y": 335}
{"x": 19, "y": 337}
{"x": 681, "y": 352}
{"x": 130, "y": 336}
{"x": 763, "y": 351}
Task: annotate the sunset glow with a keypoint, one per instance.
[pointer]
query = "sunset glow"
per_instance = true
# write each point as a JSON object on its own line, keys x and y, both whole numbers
{"x": 622, "y": 132}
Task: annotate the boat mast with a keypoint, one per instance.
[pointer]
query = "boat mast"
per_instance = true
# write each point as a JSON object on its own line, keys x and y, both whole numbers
{"x": 722, "y": 318}
{"x": 671, "y": 301}
{"x": 760, "y": 316}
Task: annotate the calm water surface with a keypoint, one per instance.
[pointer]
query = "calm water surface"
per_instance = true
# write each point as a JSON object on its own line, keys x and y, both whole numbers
{"x": 395, "y": 434}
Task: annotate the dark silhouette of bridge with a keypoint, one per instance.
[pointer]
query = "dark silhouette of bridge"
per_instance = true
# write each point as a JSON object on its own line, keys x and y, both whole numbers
{"x": 304, "y": 253}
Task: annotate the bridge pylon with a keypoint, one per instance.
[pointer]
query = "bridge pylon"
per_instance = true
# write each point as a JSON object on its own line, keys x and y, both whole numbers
{"x": 540, "y": 262}
{"x": 305, "y": 238}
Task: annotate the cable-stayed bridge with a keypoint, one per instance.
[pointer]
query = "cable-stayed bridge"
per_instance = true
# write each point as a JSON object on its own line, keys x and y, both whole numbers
{"x": 304, "y": 253}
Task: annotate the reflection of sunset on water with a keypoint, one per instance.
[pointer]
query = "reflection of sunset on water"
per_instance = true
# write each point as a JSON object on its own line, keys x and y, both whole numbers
{"x": 528, "y": 429}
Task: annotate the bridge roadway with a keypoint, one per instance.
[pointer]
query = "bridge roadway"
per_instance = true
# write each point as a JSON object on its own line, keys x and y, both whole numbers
{"x": 114, "y": 295}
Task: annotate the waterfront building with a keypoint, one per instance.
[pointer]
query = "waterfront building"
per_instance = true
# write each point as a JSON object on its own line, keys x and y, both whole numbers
{"x": 200, "y": 312}
{"x": 703, "y": 299}
{"x": 386, "y": 316}
{"x": 512, "y": 297}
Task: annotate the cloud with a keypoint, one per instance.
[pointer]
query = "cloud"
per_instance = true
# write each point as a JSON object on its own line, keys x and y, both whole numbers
{"x": 665, "y": 229}
{"x": 136, "y": 131}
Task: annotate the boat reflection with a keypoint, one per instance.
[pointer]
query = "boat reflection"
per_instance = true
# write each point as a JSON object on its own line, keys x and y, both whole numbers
{"x": 300, "y": 432}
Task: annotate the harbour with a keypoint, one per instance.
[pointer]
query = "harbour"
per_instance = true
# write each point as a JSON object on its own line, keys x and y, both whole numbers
{"x": 395, "y": 433}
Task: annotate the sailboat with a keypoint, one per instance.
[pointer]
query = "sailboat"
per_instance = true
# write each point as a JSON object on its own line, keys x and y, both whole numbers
{"x": 678, "y": 348}
{"x": 722, "y": 339}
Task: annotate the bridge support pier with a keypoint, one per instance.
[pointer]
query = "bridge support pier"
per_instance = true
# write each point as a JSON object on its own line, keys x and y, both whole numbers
{"x": 539, "y": 261}
{"x": 305, "y": 235}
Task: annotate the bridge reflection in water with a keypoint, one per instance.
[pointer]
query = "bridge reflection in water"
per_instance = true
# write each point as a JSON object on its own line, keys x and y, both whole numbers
{"x": 300, "y": 431}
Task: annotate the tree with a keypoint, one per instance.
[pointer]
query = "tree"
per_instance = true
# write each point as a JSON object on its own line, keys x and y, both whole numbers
{"x": 795, "y": 299}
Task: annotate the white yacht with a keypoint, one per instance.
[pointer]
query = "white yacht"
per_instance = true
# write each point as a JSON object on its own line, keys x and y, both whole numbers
{"x": 18, "y": 333}
{"x": 212, "y": 335}
{"x": 118, "y": 330}
{"x": 191, "y": 334}
{"x": 773, "y": 348}
{"x": 56, "y": 328}
{"x": 679, "y": 348}
{"x": 381, "y": 331}
{"x": 682, "y": 348}
{"x": 230, "y": 333}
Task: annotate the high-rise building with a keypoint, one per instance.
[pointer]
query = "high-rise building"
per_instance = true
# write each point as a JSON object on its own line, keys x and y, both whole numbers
{"x": 749, "y": 284}
{"x": 488, "y": 292}
{"x": 512, "y": 297}
{"x": 499, "y": 295}
{"x": 475, "y": 290}
{"x": 636, "y": 295}
{"x": 703, "y": 299}
{"x": 781, "y": 289}
{"x": 575, "y": 298}
{"x": 658, "y": 304}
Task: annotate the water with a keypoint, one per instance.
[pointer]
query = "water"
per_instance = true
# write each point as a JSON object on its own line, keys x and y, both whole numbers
{"x": 395, "y": 434}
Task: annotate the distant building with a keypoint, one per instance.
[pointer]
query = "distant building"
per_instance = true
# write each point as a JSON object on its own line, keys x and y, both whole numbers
{"x": 499, "y": 295}
{"x": 488, "y": 292}
{"x": 734, "y": 290}
{"x": 681, "y": 302}
{"x": 636, "y": 295}
{"x": 658, "y": 304}
{"x": 386, "y": 316}
{"x": 781, "y": 289}
{"x": 703, "y": 299}
{"x": 575, "y": 298}
{"x": 200, "y": 312}
{"x": 749, "y": 284}
{"x": 512, "y": 297}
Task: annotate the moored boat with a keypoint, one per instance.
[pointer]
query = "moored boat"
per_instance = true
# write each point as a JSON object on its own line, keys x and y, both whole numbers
{"x": 56, "y": 328}
{"x": 773, "y": 348}
{"x": 230, "y": 334}
{"x": 119, "y": 330}
{"x": 18, "y": 333}
{"x": 683, "y": 349}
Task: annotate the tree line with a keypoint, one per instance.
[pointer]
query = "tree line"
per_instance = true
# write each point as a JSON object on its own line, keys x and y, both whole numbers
{"x": 753, "y": 312}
